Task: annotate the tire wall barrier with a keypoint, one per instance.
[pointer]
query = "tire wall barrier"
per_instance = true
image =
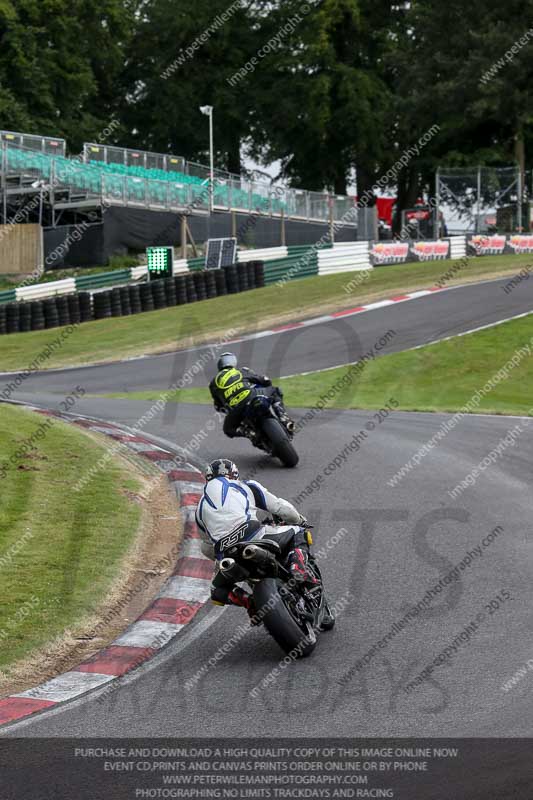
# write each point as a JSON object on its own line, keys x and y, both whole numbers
{"x": 123, "y": 301}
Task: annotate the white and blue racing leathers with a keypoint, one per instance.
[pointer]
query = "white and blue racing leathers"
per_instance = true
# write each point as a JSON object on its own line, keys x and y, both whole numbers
{"x": 226, "y": 505}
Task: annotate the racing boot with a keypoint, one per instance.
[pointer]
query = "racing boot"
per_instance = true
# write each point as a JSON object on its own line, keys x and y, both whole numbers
{"x": 246, "y": 601}
{"x": 328, "y": 619}
{"x": 299, "y": 567}
{"x": 238, "y": 597}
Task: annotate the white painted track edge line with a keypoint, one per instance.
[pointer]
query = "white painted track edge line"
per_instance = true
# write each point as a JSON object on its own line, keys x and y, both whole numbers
{"x": 419, "y": 346}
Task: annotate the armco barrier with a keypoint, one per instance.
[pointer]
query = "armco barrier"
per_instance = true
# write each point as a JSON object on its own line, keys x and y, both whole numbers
{"x": 457, "y": 246}
{"x": 195, "y": 264}
{"x": 301, "y": 265}
{"x": 267, "y": 254}
{"x": 8, "y": 295}
{"x": 346, "y": 257}
{"x": 102, "y": 279}
{"x": 41, "y": 290}
{"x": 302, "y": 262}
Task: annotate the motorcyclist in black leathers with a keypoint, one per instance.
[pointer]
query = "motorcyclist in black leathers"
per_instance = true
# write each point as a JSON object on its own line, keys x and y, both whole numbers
{"x": 234, "y": 387}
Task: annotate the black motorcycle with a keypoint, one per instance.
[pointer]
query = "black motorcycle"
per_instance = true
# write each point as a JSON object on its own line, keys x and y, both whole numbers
{"x": 268, "y": 431}
{"x": 292, "y": 613}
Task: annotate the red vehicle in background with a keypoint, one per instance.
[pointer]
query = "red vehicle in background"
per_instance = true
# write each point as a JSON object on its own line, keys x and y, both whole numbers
{"x": 417, "y": 221}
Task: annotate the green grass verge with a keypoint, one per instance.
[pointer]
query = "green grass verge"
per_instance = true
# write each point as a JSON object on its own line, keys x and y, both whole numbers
{"x": 168, "y": 329}
{"x": 59, "y": 550}
{"x": 439, "y": 377}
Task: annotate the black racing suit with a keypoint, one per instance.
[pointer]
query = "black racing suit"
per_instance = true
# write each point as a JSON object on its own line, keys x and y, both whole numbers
{"x": 233, "y": 388}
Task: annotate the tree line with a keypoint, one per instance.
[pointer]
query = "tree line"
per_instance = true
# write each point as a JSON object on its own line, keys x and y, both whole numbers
{"x": 324, "y": 88}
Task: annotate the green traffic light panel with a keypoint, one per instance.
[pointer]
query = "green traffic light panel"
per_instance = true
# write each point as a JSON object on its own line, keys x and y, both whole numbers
{"x": 160, "y": 262}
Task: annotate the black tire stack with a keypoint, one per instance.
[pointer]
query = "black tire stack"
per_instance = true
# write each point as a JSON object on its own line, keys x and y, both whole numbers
{"x": 135, "y": 299}
{"x": 147, "y": 300}
{"x": 180, "y": 283}
{"x": 24, "y": 317}
{"x": 250, "y": 272}
{"x": 199, "y": 283}
{"x": 125, "y": 301}
{"x": 115, "y": 302}
{"x": 232, "y": 279}
{"x": 12, "y": 318}
{"x": 74, "y": 310}
{"x": 170, "y": 292}
{"x": 242, "y": 277}
{"x": 192, "y": 297}
{"x": 51, "y": 316}
{"x": 86, "y": 306}
{"x": 63, "y": 310}
{"x": 188, "y": 287}
{"x": 220, "y": 279}
{"x": 158, "y": 293}
{"x": 259, "y": 268}
{"x": 102, "y": 305}
{"x": 210, "y": 283}
{"x": 37, "y": 316}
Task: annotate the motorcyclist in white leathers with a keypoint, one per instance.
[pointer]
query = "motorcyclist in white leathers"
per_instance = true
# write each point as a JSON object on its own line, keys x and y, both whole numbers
{"x": 228, "y": 504}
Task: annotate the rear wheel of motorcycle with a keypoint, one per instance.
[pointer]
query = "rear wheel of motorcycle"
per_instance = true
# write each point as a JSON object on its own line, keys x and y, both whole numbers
{"x": 279, "y": 621}
{"x": 281, "y": 444}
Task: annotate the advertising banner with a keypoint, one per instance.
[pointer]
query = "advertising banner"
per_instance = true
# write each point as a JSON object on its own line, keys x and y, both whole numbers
{"x": 498, "y": 244}
{"x": 388, "y": 253}
{"x": 430, "y": 251}
{"x": 486, "y": 244}
{"x": 401, "y": 252}
{"x": 520, "y": 243}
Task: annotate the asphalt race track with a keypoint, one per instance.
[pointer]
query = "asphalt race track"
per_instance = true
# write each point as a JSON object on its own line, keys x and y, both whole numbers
{"x": 329, "y": 344}
{"x": 385, "y": 546}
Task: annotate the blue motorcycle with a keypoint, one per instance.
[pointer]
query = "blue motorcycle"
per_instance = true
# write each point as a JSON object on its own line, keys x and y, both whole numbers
{"x": 269, "y": 430}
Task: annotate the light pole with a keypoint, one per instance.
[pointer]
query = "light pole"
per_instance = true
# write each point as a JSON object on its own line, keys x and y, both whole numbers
{"x": 208, "y": 111}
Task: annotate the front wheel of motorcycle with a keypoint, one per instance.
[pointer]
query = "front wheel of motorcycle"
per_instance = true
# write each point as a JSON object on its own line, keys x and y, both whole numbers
{"x": 281, "y": 444}
{"x": 295, "y": 638}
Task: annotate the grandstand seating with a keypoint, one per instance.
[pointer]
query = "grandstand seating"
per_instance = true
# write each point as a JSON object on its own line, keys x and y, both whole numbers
{"x": 175, "y": 187}
{"x": 97, "y": 179}
{"x": 239, "y": 197}
{"x": 136, "y": 184}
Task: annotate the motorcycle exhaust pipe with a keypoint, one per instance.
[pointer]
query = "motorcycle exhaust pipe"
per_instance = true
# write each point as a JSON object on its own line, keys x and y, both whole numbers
{"x": 250, "y": 551}
{"x": 230, "y": 569}
{"x": 257, "y": 554}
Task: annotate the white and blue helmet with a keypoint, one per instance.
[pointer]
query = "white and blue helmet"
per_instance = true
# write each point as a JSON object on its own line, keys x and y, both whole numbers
{"x": 221, "y": 468}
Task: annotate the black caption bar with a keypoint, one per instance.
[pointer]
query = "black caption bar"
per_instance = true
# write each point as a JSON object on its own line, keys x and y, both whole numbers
{"x": 149, "y": 769}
